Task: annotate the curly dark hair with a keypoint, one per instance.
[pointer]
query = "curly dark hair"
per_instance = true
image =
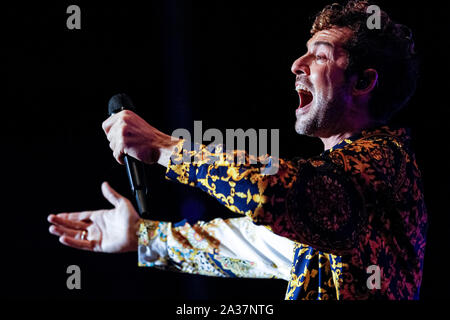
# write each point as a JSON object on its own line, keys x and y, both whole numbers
{"x": 389, "y": 50}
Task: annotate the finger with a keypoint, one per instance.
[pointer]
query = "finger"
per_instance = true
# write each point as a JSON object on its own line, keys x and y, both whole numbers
{"x": 112, "y": 145}
{"x": 76, "y": 216}
{"x": 116, "y": 143}
{"x": 108, "y": 123}
{"x": 118, "y": 155}
{"x": 72, "y": 223}
{"x": 77, "y": 244}
{"x": 110, "y": 194}
{"x": 113, "y": 130}
{"x": 63, "y": 231}
{"x": 83, "y": 216}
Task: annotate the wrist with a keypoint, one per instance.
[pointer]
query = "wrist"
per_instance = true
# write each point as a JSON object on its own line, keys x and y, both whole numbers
{"x": 133, "y": 236}
{"x": 165, "y": 154}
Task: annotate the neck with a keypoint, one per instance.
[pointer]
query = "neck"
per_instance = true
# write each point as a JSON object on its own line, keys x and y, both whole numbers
{"x": 335, "y": 139}
{"x": 360, "y": 121}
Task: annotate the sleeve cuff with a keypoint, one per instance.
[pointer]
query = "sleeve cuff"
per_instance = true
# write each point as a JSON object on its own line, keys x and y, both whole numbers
{"x": 152, "y": 243}
{"x": 180, "y": 167}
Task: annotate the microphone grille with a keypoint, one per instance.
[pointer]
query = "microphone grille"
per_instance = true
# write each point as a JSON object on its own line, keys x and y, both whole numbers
{"x": 120, "y": 102}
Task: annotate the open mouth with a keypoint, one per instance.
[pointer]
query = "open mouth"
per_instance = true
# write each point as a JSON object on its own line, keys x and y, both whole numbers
{"x": 304, "y": 94}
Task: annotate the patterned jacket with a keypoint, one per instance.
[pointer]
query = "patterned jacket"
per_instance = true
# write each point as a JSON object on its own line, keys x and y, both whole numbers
{"x": 347, "y": 224}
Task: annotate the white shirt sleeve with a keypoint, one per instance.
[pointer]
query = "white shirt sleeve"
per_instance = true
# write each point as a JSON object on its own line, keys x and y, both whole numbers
{"x": 228, "y": 248}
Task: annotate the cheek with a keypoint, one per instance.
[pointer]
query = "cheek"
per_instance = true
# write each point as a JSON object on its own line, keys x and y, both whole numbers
{"x": 322, "y": 78}
{"x": 329, "y": 80}
{"x": 337, "y": 76}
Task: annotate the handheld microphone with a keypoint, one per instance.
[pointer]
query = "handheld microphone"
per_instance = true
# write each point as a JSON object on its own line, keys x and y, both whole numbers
{"x": 135, "y": 168}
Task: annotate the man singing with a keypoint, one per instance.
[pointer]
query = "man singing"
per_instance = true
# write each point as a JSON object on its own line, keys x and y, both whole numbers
{"x": 324, "y": 224}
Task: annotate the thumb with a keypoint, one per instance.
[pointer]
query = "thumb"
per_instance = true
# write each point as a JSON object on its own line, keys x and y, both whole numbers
{"x": 110, "y": 194}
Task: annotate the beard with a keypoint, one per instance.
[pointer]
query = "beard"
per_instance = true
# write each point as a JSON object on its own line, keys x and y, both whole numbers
{"x": 325, "y": 115}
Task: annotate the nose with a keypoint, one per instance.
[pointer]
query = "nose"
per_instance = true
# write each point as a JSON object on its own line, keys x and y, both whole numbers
{"x": 300, "y": 66}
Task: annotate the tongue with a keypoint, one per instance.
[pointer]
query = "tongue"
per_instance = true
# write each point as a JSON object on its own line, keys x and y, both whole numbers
{"x": 305, "y": 99}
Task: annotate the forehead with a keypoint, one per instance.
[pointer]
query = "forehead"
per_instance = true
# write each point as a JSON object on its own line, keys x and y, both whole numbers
{"x": 337, "y": 36}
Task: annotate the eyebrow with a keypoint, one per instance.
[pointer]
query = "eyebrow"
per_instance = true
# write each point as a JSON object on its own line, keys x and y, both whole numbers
{"x": 325, "y": 43}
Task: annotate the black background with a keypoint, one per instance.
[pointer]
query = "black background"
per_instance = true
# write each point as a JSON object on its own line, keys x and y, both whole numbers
{"x": 225, "y": 63}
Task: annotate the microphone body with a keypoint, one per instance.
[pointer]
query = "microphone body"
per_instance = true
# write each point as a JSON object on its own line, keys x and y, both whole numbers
{"x": 135, "y": 169}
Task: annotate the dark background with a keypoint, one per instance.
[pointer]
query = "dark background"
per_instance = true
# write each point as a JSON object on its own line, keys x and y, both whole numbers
{"x": 225, "y": 63}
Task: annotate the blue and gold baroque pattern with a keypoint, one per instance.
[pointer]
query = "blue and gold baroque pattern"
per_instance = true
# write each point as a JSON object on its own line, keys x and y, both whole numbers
{"x": 357, "y": 204}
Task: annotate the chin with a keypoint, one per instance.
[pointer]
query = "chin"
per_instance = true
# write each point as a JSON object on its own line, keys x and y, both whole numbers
{"x": 305, "y": 129}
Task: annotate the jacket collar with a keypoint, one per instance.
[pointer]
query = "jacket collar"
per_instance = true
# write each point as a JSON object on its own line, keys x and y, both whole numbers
{"x": 402, "y": 134}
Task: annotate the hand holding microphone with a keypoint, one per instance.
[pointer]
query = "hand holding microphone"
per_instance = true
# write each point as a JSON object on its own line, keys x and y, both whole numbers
{"x": 131, "y": 135}
{"x": 135, "y": 142}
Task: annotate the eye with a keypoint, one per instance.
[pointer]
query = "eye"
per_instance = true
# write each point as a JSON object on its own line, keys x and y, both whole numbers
{"x": 321, "y": 57}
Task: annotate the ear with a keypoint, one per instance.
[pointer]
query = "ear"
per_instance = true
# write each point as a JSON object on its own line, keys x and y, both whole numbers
{"x": 365, "y": 83}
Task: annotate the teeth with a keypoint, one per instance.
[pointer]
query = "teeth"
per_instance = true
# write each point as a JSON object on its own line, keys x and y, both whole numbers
{"x": 299, "y": 87}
